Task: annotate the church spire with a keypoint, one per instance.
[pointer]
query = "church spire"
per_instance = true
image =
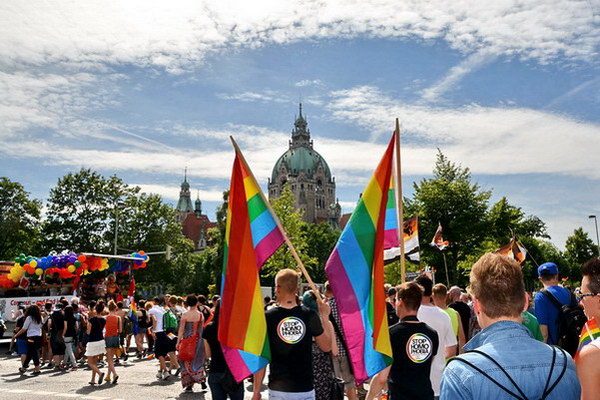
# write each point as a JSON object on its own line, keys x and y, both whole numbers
{"x": 300, "y": 133}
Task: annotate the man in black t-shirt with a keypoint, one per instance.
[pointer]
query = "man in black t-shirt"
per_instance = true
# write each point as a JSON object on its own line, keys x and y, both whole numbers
{"x": 414, "y": 344}
{"x": 463, "y": 309}
{"x": 290, "y": 329}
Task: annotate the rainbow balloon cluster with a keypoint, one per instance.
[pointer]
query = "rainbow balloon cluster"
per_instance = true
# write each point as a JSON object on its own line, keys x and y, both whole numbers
{"x": 67, "y": 266}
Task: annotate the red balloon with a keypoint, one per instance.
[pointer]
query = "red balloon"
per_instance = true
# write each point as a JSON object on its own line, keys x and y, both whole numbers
{"x": 82, "y": 258}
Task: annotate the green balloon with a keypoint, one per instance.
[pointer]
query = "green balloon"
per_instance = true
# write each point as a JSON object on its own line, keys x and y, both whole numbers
{"x": 77, "y": 264}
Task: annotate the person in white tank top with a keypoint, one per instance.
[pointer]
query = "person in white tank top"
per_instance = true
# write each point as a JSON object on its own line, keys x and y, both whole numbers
{"x": 588, "y": 358}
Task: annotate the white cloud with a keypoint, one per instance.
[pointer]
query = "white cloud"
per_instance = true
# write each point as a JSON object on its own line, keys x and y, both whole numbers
{"x": 266, "y": 96}
{"x": 177, "y": 36}
{"x": 308, "y": 82}
{"x": 489, "y": 140}
{"x": 456, "y": 73}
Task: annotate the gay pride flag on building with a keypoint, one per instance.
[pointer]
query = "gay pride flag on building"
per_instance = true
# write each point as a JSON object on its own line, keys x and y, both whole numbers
{"x": 355, "y": 272}
{"x": 251, "y": 238}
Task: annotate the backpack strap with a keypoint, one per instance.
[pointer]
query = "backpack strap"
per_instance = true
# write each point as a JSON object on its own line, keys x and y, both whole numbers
{"x": 562, "y": 373}
{"x": 552, "y": 299}
{"x": 489, "y": 377}
{"x": 501, "y": 369}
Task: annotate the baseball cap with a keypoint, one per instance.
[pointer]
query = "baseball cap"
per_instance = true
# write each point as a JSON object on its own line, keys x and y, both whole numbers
{"x": 548, "y": 268}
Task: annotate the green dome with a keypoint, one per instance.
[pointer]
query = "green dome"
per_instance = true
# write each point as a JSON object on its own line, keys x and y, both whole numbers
{"x": 299, "y": 159}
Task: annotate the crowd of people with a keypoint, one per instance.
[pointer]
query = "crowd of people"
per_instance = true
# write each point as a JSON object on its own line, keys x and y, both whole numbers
{"x": 493, "y": 341}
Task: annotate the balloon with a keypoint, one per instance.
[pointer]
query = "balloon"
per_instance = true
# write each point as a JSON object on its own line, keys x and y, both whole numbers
{"x": 71, "y": 268}
{"x": 142, "y": 252}
{"x": 39, "y": 271}
{"x": 77, "y": 264}
{"x": 81, "y": 258}
{"x": 33, "y": 263}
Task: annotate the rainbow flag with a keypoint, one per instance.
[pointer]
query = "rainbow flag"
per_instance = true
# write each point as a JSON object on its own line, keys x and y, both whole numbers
{"x": 251, "y": 237}
{"x": 589, "y": 332}
{"x": 355, "y": 272}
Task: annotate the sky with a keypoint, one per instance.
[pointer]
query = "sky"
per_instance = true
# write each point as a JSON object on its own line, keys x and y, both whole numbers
{"x": 143, "y": 89}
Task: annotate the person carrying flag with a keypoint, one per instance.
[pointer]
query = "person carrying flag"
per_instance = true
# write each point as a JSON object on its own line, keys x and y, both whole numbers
{"x": 588, "y": 354}
{"x": 290, "y": 329}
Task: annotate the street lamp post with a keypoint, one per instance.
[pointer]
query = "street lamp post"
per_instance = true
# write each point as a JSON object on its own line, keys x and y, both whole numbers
{"x": 597, "y": 238}
{"x": 117, "y": 206}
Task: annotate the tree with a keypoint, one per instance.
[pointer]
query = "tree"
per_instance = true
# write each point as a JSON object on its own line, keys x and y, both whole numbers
{"x": 19, "y": 220}
{"x": 207, "y": 277}
{"x": 507, "y": 221}
{"x": 452, "y": 199}
{"x": 291, "y": 219}
{"x": 579, "y": 249}
{"x": 81, "y": 208}
{"x": 146, "y": 223}
{"x": 320, "y": 241}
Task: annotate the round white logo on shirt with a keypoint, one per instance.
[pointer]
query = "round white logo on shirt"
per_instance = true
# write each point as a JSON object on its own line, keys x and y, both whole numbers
{"x": 419, "y": 348}
{"x": 291, "y": 330}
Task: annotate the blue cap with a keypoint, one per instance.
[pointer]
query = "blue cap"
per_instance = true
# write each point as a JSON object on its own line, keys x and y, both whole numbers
{"x": 548, "y": 268}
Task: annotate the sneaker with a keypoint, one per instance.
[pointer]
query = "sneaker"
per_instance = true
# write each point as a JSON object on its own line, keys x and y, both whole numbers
{"x": 188, "y": 389}
{"x": 115, "y": 379}
{"x": 165, "y": 375}
{"x": 203, "y": 385}
{"x": 159, "y": 374}
{"x": 177, "y": 371}
{"x": 35, "y": 373}
{"x": 22, "y": 370}
{"x": 100, "y": 378}
{"x": 14, "y": 353}
{"x": 125, "y": 356}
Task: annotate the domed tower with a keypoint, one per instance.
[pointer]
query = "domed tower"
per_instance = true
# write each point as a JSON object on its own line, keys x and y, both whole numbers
{"x": 307, "y": 174}
{"x": 184, "y": 205}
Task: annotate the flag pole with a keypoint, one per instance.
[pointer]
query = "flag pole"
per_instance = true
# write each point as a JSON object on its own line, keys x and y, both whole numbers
{"x": 446, "y": 268}
{"x": 400, "y": 208}
{"x": 287, "y": 240}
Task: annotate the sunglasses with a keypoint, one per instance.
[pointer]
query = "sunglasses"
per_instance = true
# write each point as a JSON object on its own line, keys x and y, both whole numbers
{"x": 580, "y": 296}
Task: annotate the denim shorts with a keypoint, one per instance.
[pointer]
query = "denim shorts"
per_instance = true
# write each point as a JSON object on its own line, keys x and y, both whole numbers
{"x": 21, "y": 346}
{"x": 277, "y": 395}
{"x": 112, "y": 342}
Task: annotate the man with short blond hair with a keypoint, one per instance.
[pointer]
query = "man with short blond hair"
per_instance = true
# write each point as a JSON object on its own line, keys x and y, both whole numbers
{"x": 504, "y": 357}
{"x": 291, "y": 329}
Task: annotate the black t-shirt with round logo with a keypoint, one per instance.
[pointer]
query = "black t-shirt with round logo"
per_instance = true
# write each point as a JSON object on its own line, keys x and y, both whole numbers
{"x": 413, "y": 346}
{"x": 290, "y": 338}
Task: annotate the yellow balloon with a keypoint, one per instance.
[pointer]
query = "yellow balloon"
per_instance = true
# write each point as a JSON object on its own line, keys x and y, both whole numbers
{"x": 33, "y": 263}
{"x": 17, "y": 265}
{"x": 39, "y": 271}
{"x": 71, "y": 268}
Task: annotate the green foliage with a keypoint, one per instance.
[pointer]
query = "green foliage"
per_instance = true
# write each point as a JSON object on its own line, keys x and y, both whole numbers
{"x": 81, "y": 208}
{"x": 208, "y": 268}
{"x": 19, "y": 220}
{"x": 291, "y": 219}
{"x": 579, "y": 249}
{"x": 320, "y": 241}
{"x": 450, "y": 198}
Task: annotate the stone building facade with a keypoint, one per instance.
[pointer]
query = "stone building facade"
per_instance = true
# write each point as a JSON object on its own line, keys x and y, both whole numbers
{"x": 307, "y": 174}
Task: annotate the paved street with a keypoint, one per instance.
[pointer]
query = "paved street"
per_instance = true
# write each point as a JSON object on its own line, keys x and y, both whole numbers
{"x": 137, "y": 380}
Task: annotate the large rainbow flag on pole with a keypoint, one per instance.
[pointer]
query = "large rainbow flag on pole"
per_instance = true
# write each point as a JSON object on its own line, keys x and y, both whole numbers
{"x": 355, "y": 272}
{"x": 251, "y": 237}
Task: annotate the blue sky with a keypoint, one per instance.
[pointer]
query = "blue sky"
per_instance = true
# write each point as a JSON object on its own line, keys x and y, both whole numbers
{"x": 142, "y": 89}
